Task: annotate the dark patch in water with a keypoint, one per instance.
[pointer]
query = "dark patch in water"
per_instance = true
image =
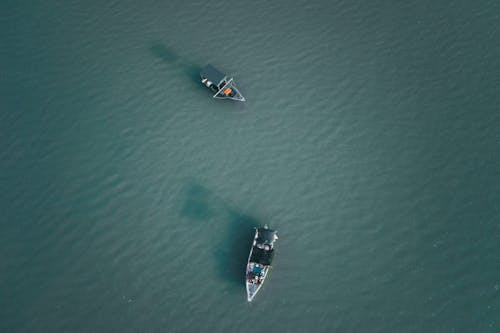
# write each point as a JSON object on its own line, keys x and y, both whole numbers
{"x": 165, "y": 54}
{"x": 168, "y": 56}
{"x": 232, "y": 254}
{"x": 196, "y": 205}
{"x": 232, "y": 246}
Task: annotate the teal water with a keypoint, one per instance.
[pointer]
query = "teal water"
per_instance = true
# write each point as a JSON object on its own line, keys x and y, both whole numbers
{"x": 370, "y": 139}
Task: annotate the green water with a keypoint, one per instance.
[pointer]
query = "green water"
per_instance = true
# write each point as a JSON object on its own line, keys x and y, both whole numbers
{"x": 370, "y": 140}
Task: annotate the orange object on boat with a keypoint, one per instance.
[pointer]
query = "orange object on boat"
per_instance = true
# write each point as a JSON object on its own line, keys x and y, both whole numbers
{"x": 228, "y": 91}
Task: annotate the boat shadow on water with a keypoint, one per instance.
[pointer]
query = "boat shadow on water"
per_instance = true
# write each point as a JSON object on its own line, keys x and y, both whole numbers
{"x": 233, "y": 253}
{"x": 198, "y": 204}
{"x": 232, "y": 244}
{"x": 168, "y": 56}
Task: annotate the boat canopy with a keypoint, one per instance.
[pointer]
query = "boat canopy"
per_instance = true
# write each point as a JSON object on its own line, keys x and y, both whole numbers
{"x": 266, "y": 236}
{"x": 213, "y": 74}
{"x": 262, "y": 256}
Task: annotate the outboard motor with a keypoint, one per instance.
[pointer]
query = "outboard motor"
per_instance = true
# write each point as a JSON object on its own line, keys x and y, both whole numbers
{"x": 207, "y": 82}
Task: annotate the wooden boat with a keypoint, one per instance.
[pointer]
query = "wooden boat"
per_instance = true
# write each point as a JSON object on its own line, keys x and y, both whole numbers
{"x": 220, "y": 84}
{"x": 259, "y": 260}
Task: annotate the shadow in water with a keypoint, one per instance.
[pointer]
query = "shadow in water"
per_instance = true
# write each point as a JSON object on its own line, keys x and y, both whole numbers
{"x": 232, "y": 245}
{"x": 197, "y": 206}
{"x": 168, "y": 56}
{"x": 165, "y": 54}
{"x": 233, "y": 253}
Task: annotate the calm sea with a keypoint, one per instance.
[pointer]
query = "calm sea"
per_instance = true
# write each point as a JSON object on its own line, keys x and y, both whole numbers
{"x": 370, "y": 140}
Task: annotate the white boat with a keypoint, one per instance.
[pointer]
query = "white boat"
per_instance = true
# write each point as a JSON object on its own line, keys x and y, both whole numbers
{"x": 220, "y": 84}
{"x": 259, "y": 260}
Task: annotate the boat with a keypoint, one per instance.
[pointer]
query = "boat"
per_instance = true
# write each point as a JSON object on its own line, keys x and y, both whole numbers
{"x": 259, "y": 260}
{"x": 222, "y": 85}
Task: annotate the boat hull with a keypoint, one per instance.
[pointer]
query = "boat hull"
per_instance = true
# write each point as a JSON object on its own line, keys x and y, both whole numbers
{"x": 259, "y": 260}
{"x": 252, "y": 287}
{"x": 220, "y": 84}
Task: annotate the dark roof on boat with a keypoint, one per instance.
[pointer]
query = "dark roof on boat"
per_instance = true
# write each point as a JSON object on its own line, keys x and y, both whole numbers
{"x": 262, "y": 256}
{"x": 212, "y": 74}
{"x": 265, "y": 236}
